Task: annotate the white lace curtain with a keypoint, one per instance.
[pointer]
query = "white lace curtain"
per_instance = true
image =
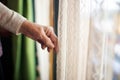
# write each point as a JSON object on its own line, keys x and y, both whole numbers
{"x": 86, "y": 40}
{"x": 73, "y": 34}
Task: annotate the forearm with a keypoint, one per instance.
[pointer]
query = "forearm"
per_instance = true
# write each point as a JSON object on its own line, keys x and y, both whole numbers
{"x": 30, "y": 30}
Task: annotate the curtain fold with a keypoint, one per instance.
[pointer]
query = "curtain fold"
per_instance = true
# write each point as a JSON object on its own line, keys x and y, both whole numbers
{"x": 23, "y": 47}
{"x": 87, "y": 36}
{"x": 73, "y": 35}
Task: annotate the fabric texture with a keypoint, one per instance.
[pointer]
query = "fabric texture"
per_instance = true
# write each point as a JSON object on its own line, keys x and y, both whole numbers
{"x": 87, "y": 35}
{"x": 23, "y": 47}
{"x": 101, "y": 53}
{"x": 73, "y": 35}
{"x": 10, "y": 20}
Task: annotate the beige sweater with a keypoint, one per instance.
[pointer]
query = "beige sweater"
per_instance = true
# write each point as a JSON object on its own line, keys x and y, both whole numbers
{"x": 10, "y": 20}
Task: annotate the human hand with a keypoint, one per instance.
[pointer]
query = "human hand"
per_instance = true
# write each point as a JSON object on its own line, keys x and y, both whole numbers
{"x": 49, "y": 39}
{"x": 44, "y": 35}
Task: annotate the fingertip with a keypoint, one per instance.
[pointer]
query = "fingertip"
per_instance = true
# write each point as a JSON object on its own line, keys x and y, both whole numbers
{"x": 50, "y": 44}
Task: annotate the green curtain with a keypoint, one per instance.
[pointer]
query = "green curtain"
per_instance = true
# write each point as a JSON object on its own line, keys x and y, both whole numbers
{"x": 23, "y": 47}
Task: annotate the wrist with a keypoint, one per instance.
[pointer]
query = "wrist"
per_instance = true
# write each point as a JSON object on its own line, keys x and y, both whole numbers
{"x": 29, "y": 29}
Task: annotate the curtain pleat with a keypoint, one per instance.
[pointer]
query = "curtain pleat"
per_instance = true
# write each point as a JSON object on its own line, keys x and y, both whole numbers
{"x": 73, "y": 36}
{"x": 23, "y": 47}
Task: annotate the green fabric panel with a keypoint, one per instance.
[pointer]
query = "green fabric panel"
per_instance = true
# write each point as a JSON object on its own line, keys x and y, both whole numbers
{"x": 17, "y": 43}
{"x": 16, "y": 5}
{"x": 30, "y": 57}
{"x": 23, "y": 47}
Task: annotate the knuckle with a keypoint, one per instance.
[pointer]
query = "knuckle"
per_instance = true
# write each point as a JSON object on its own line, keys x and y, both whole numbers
{"x": 50, "y": 28}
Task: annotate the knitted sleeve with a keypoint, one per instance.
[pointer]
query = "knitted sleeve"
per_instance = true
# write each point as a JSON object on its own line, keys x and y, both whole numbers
{"x": 10, "y": 20}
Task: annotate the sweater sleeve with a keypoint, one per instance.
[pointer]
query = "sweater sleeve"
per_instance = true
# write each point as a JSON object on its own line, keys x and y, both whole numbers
{"x": 10, "y": 20}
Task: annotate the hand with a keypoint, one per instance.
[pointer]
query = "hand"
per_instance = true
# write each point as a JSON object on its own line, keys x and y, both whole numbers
{"x": 42, "y": 34}
{"x": 49, "y": 39}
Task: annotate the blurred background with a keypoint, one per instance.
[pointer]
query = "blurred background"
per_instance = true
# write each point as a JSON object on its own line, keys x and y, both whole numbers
{"x": 104, "y": 46}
